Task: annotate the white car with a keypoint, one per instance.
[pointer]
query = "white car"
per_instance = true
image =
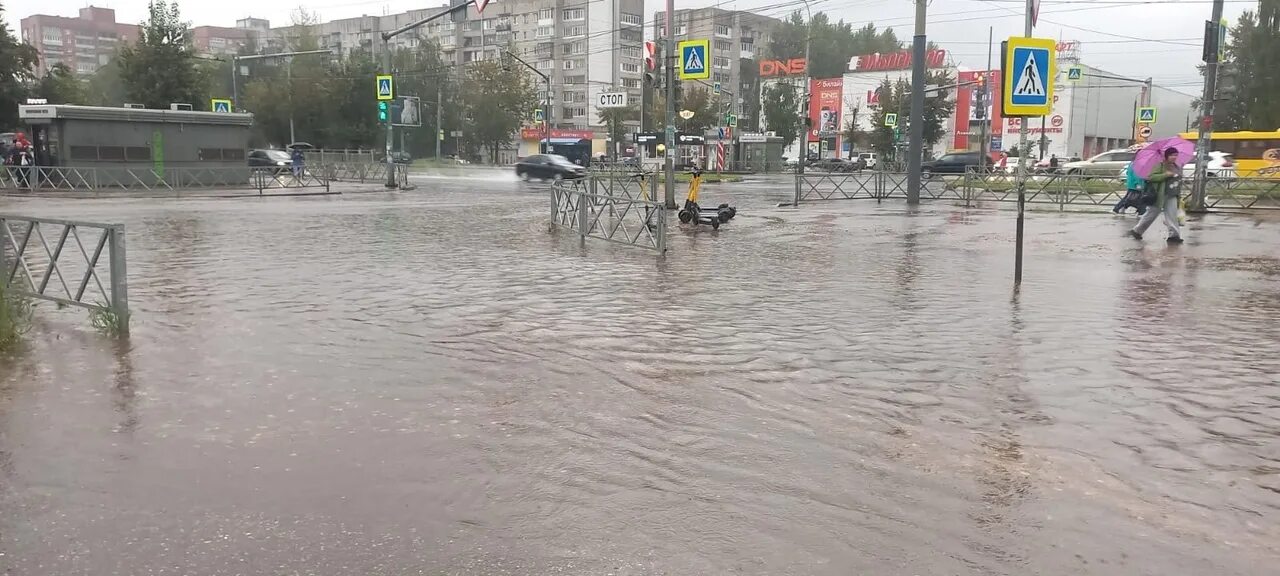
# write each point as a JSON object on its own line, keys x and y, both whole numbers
{"x": 870, "y": 157}
{"x": 1221, "y": 165}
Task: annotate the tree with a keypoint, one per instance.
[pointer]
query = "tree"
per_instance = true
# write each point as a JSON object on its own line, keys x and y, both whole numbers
{"x": 693, "y": 98}
{"x": 500, "y": 99}
{"x": 61, "y": 86}
{"x": 615, "y": 120}
{"x": 106, "y": 86}
{"x": 830, "y": 45}
{"x": 1249, "y": 81}
{"x": 895, "y": 98}
{"x": 161, "y": 68}
{"x": 17, "y": 62}
{"x": 852, "y": 134}
{"x": 781, "y": 111}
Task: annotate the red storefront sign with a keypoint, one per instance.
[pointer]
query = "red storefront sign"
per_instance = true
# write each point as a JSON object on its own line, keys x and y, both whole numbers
{"x": 968, "y": 119}
{"x": 539, "y": 133}
{"x": 792, "y": 67}
{"x": 826, "y": 97}
{"x": 895, "y": 61}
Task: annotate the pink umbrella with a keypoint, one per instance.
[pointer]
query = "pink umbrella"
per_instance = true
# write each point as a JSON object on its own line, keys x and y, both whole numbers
{"x": 1148, "y": 158}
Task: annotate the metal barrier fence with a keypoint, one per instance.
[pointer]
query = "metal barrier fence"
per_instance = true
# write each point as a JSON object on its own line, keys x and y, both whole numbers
{"x": 613, "y": 205}
{"x": 28, "y": 264}
{"x": 70, "y": 178}
{"x": 1053, "y": 189}
{"x": 364, "y": 172}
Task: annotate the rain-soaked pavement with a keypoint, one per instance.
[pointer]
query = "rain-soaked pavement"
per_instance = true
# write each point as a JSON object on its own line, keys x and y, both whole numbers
{"x": 431, "y": 383}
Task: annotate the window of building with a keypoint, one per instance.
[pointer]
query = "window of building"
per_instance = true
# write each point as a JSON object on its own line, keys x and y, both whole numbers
{"x": 471, "y": 56}
{"x": 662, "y": 31}
{"x": 631, "y": 36}
{"x": 631, "y": 51}
{"x": 545, "y": 65}
{"x": 490, "y": 23}
{"x": 631, "y": 67}
{"x": 86, "y": 67}
{"x": 720, "y": 77}
{"x": 748, "y": 46}
{"x": 722, "y": 45}
{"x": 569, "y": 14}
{"x": 474, "y": 26}
{"x": 574, "y": 31}
{"x": 547, "y": 14}
{"x": 566, "y": 114}
{"x": 631, "y": 19}
{"x": 721, "y": 62}
{"x": 543, "y": 50}
{"x": 51, "y": 36}
{"x": 722, "y": 30}
{"x": 546, "y": 31}
{"x": 682, "y": 29}
{"x": 575, "y": 79}
{"x": 570, "y": 64}
{"x": 630, "y": 82}
{"x": 579, "y": 111}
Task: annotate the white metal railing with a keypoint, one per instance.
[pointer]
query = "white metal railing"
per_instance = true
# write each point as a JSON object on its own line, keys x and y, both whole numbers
{"x": 614, "y": 206}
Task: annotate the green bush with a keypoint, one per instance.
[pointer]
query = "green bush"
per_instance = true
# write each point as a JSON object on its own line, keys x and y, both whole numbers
{"x": 15, "y": 317}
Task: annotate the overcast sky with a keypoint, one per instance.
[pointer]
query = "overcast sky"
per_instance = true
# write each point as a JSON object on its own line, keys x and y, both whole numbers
{"x": 1157, "y": 38}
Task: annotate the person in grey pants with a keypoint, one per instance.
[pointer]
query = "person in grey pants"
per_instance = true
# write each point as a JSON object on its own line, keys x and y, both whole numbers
{"x": 1165, "y": 183}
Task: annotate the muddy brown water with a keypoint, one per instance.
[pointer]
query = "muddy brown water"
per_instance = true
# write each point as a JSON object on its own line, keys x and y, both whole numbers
{"x": 431, "y": 383}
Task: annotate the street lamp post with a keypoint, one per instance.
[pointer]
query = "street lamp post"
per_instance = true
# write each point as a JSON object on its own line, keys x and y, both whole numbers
{"x": 546, "y": 113}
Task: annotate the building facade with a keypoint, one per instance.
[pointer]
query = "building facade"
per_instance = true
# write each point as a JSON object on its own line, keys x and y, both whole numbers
{"x": 739, "y": 41}
{"x": 84, "y": 43}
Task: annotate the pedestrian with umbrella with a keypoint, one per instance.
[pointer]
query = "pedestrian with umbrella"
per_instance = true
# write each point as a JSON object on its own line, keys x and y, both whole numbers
{"x": 1160, "y": 165}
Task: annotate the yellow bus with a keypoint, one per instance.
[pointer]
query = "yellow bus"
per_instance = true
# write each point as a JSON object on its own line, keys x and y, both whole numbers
{"x": 1257, "y": 154}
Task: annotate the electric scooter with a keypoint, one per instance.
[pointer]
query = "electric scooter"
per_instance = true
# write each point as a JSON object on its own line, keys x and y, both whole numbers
{"x": 692, "y": 211}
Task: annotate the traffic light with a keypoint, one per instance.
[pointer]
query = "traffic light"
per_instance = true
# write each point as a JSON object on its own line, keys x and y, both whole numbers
{"x": 383, "y": 109}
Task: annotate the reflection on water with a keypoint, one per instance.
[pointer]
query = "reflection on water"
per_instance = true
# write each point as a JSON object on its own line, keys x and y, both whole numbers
{"x": 430, "y": 383}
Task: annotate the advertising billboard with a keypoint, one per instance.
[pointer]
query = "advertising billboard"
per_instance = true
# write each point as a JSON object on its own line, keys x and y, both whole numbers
{"x": 826, "y": 97}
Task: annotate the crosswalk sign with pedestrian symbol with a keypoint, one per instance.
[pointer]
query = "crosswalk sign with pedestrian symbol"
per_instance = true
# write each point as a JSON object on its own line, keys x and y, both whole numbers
{"x": 385, "y": 87}
{"x": 1075, "y": 73}
{"x": 1028, "y": 76}
{"x": 694, "y": 56}
{"x": 1146, "y": 115}
{"x": 220, "y": 105}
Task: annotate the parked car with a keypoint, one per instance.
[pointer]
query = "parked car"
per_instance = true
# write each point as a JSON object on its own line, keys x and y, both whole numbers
{"x": 1104, "y": 164}
{"x": 548, "y": 167}
{"x": 834, "y": 165}
{"x": 278, "y": 159}
{"x": 953, "y": 163}
{"x": 869, "y": 159}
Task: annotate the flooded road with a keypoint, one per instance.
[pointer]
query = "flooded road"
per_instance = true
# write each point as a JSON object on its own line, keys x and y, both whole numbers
{"x": 431, "y": 383}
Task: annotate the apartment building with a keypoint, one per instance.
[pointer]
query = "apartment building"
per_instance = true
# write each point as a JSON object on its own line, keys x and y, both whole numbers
{"x": 738, "y": 42}
{"x": 84, "y": 43}
{"x": 585, "y": 46}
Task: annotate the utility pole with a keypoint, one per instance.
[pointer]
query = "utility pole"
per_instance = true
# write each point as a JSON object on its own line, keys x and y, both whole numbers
{"x": 985, "y": 143}
{"x": 439, "y": 126}
{"x": 386, "y": 69}
{"x": 915, "y": 147}
{"x": 802, "y": 145}
{"x": 672, "y": 59}
{"x": 1212, "y": 52}
{"x": 1022, "y": 164}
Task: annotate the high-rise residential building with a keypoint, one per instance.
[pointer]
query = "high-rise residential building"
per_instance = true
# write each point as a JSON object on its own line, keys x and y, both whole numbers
{"x": 83, "y": 44}
{"x": 584, "y": 46}
{"x": 738, "y": 42}
{"x": 223, "y": 41}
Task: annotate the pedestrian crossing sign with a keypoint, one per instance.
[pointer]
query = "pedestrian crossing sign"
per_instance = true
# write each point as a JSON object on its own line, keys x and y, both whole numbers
{"x": 694, "y": 55}
{"x": 1028, "y": 76}
{"x": 1146, "y": 115}
{"x": 1075, "y": 73}
{"x": 220, "y": 105}
{"x": 385, "y": 87}
{"x": 891, "y": 120}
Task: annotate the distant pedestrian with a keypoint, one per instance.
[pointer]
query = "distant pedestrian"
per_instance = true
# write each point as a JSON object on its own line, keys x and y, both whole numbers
{"x": 1053, "y": 163}
{"x": 1004, "y": 161}
{"x": 1133, "y": 192}
{"x": 297, "y": 161}
{"x": 1162, "y": 193}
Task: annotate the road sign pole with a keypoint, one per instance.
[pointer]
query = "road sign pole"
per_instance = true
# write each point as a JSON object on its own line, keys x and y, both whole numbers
{"x": 1022, "y": 166}
{"x": 1198, "y": 185}
{"x": 670, "y": 56}
{"x": 915, "y": 144}
{"x": 390, "y": 138}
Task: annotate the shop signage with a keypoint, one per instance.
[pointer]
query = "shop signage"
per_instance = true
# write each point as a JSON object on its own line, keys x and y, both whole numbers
{"x": 895, "y": 61}
{"x": 540, "y": 133}
{"x": 792, "y": 67}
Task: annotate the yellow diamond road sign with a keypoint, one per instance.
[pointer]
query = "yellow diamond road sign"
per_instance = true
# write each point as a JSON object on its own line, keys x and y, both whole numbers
{"x": 385, "y": 87}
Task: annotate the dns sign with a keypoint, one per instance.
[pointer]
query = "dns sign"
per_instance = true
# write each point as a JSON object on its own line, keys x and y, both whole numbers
{"x": 792, "y": 67}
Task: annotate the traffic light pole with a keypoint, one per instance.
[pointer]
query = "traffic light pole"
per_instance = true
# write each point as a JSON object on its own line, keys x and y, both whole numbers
{"x": 1022, "y": 169}
{"x": 672, "y": 59}
{"x": 1207, "y": 100}
{"x": 235, "y": 63}
{"x": 915, "y": 144}
{"x": 546, "y": 113}
{"x": 386, "y": 69}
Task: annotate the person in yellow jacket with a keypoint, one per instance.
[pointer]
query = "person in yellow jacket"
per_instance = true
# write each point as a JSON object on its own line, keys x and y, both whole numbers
{"x": 1163, "y": 190}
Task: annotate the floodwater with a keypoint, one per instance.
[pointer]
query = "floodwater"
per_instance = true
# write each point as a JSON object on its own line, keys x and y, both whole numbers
{"x": 432, "y": 383}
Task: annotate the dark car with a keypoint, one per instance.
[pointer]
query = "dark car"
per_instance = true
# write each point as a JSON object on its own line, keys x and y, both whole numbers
{"x": 953, "y": 163}
{"x": 833, "y": 165}
{"x": 278, "y": 159}
{"x": 548, "y": 167}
